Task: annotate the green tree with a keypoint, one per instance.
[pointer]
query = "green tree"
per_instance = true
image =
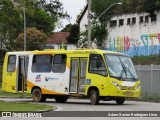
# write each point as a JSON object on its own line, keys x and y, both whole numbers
{"x": 67, "y": 28}
{"x": 10, "y": 24}
{"x": 35, "y": 40}
{"x": 55, "y": 9}
{"x": 150, "y": 6}
{"x": 74, "y": 34}
{"x": 39, "y": 14}
{"x": 41, "y": 20}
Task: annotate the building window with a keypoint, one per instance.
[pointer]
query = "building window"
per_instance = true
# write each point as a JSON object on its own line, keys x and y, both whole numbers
{"x": 49, "y": 47}
{"x": 42, "y": 63}
{"x": 59, "y": 63}
{"x": 121, "y": 22}
{"x": 153, "y": 18}
{"x": 141, "y": 19}
{"x": 128, "y": 21}
{"x": 133, "y": 20}
{"x": 96, "y": 65}
{"x": 113, "y": 23}
{"x": 11, "y": 63}
{"x": 146, "y": 19}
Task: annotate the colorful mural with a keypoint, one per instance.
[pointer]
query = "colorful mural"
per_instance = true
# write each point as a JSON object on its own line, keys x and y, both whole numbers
{"x": 147, "y": 44}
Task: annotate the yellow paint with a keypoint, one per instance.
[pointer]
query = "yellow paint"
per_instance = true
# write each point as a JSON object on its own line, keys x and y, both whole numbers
{"x": 109, "y": 89}
{"x": 102, "y": 83}
{"x": 68, "y": 65}
{"x": 8, "y": 78}
{"x": 120, "y": 43}
{"x": 152, "y": 36}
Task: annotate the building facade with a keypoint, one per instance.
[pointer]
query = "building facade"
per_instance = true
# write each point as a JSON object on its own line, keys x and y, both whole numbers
{"x": 83, "y": 20}
{"x": 59, "y": 40}
{"x": 134, "y": 34}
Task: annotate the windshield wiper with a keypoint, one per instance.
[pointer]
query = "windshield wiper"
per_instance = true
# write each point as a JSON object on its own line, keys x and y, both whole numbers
{"x": 122, "y": 72}
{"x": 125, "y": 69}
{"x": 131, "y": 74}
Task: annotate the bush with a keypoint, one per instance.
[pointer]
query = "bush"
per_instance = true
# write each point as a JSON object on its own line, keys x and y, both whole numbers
{"x": 2, "y": 54}
{"x": 146, "y": 60}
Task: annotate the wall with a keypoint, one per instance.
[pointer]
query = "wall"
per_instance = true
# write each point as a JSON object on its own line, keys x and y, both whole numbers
{"x": 135, "y": 47}
{"x": 141, "y": 38}
{"x": 84, "y": 22}
{"x": 57, "y": 46}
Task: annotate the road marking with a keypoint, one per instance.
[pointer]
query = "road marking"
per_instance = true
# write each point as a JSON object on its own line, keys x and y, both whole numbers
{"x": 58, "y": 108}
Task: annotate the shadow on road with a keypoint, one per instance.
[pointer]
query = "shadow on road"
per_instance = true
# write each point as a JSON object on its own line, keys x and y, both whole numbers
{"x": 87, "y": 102}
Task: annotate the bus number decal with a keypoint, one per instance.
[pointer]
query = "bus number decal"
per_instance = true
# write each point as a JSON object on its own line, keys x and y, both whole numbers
{"x": 38, "y": 78}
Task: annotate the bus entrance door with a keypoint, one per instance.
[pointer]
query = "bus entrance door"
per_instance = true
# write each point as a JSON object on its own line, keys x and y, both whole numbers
{"x": 78, "y": 75}
{"x": 22, "y": 73}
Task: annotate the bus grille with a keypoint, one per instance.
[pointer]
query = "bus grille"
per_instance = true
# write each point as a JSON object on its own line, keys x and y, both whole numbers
{"x": 127, "y": 88}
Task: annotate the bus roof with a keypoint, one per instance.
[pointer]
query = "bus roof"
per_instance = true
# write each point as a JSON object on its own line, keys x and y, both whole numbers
{"x": 62, "y": 51}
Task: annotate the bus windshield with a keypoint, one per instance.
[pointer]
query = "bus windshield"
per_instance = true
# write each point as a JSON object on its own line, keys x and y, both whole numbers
{"x": 120, "y": 67}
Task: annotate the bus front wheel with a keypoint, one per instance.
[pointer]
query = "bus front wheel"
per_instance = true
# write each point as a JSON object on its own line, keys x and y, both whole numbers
{"x": 37, "y": 95}
{"x": 120, "y": 100}
{"x": 94, "y": 97}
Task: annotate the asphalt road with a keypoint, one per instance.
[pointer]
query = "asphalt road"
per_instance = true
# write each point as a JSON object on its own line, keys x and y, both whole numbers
{"x": 83, "y": 105}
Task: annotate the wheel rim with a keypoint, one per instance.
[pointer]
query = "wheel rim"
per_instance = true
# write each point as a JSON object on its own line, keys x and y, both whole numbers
{"x": 93, "y": 97}
{"x": 36, "y": 96}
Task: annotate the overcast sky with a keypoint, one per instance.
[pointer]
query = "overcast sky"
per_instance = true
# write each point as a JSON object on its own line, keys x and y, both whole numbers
{"x": 73, "y": 8}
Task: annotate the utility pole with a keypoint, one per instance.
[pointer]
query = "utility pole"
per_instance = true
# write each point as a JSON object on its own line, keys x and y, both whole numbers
{"x": 24, "y": 20}
{"x": 89, "y": 24}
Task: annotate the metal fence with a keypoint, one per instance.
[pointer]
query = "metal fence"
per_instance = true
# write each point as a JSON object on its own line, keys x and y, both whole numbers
{"x": 149, "y": 76}
{"x": 150, "y": 79}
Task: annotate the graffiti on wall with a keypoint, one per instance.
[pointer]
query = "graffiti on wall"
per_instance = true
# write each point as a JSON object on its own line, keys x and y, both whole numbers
{"x": 146, "y": 45}
{"x": 153, "y": 37}
{"x": 123, "y": 43}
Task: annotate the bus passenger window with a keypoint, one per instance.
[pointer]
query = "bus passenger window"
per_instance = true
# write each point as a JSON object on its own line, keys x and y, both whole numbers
{"x": 11, "y": 63}
{"x": 42, "y": 63}
{"x": 96, "y": 65}
{"x": 59, "y": 63}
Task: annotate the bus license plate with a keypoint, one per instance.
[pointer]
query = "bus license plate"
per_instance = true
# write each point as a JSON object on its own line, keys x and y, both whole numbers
{"x": 128, "y": 93}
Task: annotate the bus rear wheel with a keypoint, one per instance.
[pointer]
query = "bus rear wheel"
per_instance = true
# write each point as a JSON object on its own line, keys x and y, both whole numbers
{"x": 37, "y": 96}
{"x": 94, "y": 97}
{"x": 120, "y": 100}
{"x": 61, "y": 99}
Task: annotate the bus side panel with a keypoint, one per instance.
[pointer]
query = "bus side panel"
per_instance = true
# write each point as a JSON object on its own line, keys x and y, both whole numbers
{"x": 4, "y": 72}
{"x": 9, "y": 78}
{"x": 49, "y": 82}
{"x": 100, "y": 82}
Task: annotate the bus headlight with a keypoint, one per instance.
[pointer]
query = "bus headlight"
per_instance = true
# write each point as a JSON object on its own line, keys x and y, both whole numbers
{"x": 116, "y": 84}
{"x": 138, "y": 87}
